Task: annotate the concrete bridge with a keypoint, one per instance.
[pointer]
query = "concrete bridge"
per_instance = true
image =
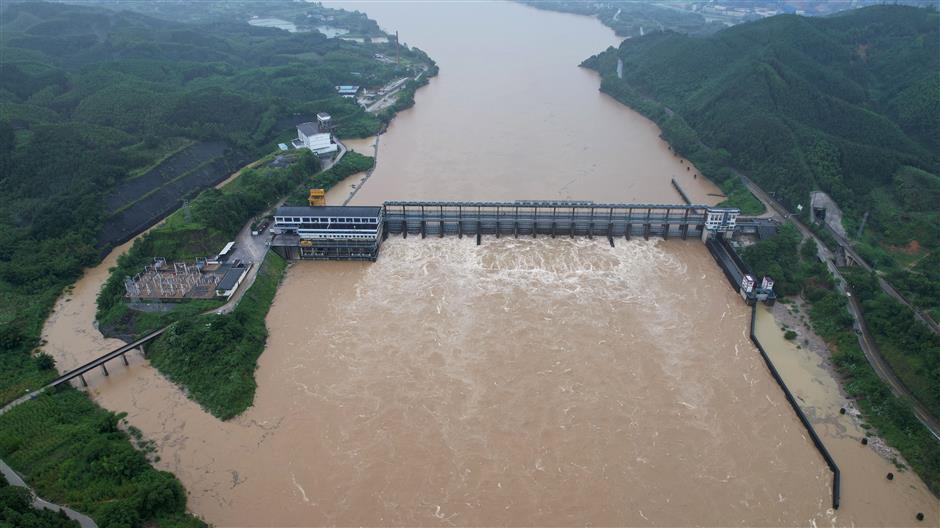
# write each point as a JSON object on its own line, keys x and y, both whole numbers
{"x": 102, "y": 360}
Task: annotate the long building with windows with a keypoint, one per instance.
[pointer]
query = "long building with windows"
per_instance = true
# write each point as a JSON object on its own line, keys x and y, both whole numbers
{"x": 328, "y": 232}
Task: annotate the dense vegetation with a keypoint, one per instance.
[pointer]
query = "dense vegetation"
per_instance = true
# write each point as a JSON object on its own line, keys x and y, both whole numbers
{"x": 72, "y": 452}
{"x": 846, "y": 104}
{"x": 214, "y": 356}
{"x": 799, "y": 273}
{"x": 16, "y": 511}
{"x": 351, "y": 163}
{"x": 909, "y": 347}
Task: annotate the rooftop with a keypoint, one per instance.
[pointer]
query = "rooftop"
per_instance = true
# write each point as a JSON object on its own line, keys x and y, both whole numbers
{"x": 308, "y": 129}
{"x": 330, "y": 210}
{"x": 231, "y": 278}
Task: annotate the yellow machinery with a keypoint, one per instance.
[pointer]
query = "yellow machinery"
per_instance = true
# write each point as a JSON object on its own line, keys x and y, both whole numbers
{"x": 317, "y": 197}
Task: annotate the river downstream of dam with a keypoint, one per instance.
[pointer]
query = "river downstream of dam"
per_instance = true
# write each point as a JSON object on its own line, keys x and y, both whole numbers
{"x": 521, "y": 382}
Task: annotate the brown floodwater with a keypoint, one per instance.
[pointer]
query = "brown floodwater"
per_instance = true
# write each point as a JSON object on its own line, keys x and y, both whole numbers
{"x": 520, "y": 382}
{"x": 869, "y": 498}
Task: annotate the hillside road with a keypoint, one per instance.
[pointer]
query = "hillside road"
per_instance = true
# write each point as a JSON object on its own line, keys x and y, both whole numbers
{"x": 865, "y": 340}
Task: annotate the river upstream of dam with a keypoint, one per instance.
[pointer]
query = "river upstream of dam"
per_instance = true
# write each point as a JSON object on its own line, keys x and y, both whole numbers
{"x": 521, "y": 382}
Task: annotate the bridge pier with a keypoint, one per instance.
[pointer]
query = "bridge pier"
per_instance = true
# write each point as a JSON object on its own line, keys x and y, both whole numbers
{"x": 553, "y": 229}
{"x": 82, "y": 377}
{"x": 124, "y": 357}
{"x": 665, "y": 231}
{"x": 515, "y": 228}
{"x": 105, "y": 369}
{"x": 685, "y": 231}
{"x": 423, "y": 229}
{"x": 626, "y": 233}
{"x": 610, "y": 238}
{"x": 590, "y": 231}
{"x": 143, "y": 351}
{"x": 442, "y": 230}
{"x": 479, "y": 237}
{"x": 646, "y": 231}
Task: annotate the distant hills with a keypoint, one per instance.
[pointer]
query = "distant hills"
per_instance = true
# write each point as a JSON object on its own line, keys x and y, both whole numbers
{"x": 848, "y": 104}
{"x": 631, "y": 18}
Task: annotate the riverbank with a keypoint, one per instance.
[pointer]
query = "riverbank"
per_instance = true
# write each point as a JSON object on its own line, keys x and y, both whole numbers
{"x": 714, "y": 161}
{"x": 821, "y": 326}
{"x": 868, "y": 496}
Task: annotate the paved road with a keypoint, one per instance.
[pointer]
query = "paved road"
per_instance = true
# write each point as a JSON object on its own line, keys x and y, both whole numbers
{"x": 251, "y": 248}
{"x": 885, "y": 285}
{"x": 865, "y": 340}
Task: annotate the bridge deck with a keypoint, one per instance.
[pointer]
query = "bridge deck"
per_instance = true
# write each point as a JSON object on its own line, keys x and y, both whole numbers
{"x": 97, "y": 362}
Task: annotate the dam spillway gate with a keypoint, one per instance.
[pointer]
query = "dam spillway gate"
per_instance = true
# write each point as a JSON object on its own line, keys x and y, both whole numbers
{"x": 546, "y": 218}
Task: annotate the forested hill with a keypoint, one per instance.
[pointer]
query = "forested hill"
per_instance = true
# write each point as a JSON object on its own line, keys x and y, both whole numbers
{"x": 847, "y": 104}
{"x": 95, "y": 102}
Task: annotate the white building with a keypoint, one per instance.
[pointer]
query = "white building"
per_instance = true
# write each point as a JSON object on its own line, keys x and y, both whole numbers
{"x": 347, "y": 91}
{"x": 231, "y": 281}
{"x": 310, "y": 136}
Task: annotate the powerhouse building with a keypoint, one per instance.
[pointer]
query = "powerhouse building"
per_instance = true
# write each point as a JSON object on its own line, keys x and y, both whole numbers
{"x": 328, "y": 232}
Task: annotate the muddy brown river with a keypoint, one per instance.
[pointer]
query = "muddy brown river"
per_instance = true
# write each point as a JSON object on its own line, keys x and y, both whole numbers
{"x": 521, "y": 382}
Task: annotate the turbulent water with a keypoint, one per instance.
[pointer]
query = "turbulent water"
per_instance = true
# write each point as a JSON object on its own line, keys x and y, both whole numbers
{"x": 520, "y": 382}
